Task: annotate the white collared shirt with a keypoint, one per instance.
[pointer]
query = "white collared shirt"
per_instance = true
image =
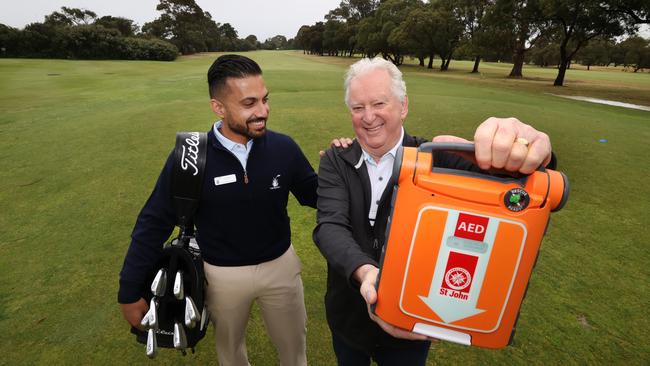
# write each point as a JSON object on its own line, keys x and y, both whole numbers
{"x": 239, "y": 150}
{"x": 379, "y": 174}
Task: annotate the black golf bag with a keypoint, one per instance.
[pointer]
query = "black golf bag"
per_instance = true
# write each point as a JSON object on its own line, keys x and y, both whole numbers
{"x": 177, "y": 316}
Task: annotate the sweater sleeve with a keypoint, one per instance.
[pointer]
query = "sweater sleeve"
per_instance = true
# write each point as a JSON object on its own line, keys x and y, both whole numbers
{"x": 333, "y": 232}
{"x": 152, "y": 228}
{"x": 304, "y": 181}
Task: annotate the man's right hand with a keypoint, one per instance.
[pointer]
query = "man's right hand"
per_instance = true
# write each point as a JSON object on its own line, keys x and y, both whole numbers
{"x": 367, "y": 276}
{"x": 134, "y": 312}
{"x": 343, "y": 142}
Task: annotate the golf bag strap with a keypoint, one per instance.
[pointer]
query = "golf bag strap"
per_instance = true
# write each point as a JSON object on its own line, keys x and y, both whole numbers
{"x": 187, "y": 177}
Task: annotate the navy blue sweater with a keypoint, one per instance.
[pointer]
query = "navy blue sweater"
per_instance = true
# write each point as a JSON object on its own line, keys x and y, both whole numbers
{"x": 237, "y": 223}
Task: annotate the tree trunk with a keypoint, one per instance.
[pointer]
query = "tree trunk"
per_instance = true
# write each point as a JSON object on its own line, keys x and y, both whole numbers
{"x": 564, "y": 62}
{"x": 447, "y": 62}
{"x": 430, "y": 66}
{"x": 518, "y": 64}
{"x": 476, "y": 62}
{"x": 559, "y": 81}
{"x": 421, "y": 60}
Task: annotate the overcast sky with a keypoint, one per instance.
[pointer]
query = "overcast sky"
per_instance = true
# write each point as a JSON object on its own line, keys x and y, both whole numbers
{"x": 263, "y": 18}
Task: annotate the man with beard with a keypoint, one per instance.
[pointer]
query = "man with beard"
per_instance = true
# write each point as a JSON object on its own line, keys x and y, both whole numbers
{"x": 242, "y": 223}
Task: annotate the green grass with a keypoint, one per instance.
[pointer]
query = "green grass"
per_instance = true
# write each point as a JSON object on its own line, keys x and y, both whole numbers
{"x": 81, "y": 151}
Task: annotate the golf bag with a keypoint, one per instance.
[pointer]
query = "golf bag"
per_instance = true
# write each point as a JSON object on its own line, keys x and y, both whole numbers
{"x": 177, "y": 316}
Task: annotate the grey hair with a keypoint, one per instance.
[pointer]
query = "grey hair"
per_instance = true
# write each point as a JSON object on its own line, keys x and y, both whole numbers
{"x": 365, "y": 65}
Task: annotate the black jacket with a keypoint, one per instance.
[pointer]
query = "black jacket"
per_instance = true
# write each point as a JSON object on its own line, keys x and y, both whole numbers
{"x": 237, "y": 223}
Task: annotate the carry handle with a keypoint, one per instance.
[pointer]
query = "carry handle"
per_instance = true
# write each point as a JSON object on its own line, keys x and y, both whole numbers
{"x": 429, "y": 147}
{"x": 455, "y": 146}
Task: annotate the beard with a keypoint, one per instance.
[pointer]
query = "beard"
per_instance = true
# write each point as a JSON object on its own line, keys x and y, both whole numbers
{"x": 246, "y": 131}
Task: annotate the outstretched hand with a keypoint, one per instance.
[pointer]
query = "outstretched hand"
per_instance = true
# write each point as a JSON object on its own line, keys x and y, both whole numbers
{"x": 509, "y": 144}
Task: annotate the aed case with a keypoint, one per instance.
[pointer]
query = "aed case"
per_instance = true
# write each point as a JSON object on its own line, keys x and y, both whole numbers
{"x": 461, "y": 247}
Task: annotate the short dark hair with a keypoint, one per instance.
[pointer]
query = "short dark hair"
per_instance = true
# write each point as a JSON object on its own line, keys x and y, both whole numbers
{"x": 230, "y": 66}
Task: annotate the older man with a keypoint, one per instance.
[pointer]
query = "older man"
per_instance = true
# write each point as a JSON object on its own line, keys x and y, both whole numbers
{"x": 353, "y": 206}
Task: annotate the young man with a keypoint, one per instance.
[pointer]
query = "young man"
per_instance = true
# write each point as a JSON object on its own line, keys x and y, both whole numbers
{"x": 354, "y": 204}
{"x": 242, "y": 222}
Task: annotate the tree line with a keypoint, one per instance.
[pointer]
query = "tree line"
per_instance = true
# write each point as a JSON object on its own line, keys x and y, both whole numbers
{"x": 544, "y": 32}
{"x": 182, "y": 27}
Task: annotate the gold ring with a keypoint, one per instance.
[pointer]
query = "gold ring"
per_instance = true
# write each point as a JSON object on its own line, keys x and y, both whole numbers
{"x": 522, "y": 141}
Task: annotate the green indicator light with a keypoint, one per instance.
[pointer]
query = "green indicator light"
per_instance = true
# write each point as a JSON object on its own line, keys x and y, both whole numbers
{"x": 515, "y": 198}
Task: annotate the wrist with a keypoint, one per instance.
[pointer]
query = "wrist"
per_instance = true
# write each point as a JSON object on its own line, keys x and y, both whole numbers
{"x": 361, "y": 273}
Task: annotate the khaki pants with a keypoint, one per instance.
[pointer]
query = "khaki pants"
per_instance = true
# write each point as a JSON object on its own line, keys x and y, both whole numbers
{"x": 277, "y": 287}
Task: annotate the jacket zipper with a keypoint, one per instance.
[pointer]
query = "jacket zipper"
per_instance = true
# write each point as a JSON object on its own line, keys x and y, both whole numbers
{"x": 235, "y": 156}
{"x": 243, "y": 169}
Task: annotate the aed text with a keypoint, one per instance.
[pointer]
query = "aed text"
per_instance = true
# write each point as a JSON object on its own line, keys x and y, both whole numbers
{"x": 471, "y": 228}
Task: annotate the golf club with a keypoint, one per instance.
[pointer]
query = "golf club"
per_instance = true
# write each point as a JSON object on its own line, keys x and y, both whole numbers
{"x": 204, "y": 318}
{"x": 180, "y": 339}
{"x": 145, "y": 319}
{"x": 152, "y": 314}
{"x": 159, "y": 283}
{"x": 191, "y": 313}
{"x": 152, "y": 344}
{"x": 178, "y": 286}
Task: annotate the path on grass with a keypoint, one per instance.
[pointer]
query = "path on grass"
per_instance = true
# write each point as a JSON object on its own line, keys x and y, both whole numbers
{"x": 604, "y": 101}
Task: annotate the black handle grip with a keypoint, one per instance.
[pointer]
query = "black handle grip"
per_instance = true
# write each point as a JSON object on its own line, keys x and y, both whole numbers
{"x": 455, "y": 146}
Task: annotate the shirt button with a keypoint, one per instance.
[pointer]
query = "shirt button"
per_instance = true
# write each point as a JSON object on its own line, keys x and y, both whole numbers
{"x": 377, "y": 202}
{"x": 381, "y": 178}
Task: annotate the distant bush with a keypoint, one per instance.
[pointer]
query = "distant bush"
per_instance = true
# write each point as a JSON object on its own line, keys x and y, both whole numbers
{"x": 86, "y": 41}
{"x": 148, "y": 49}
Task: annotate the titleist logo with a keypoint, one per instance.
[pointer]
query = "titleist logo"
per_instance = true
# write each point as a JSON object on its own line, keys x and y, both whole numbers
{"x": 191, "y": 152}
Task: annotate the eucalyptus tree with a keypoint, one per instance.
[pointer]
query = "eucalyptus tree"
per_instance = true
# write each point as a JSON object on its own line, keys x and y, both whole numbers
{"x": 347, "y": 17}
{"x": 520, "y": 24}
{"x": 576, "y": 22}
{"x": 473, "y": 15}
{"x": 186, "y": 25}
{"x": 375, "y": 30}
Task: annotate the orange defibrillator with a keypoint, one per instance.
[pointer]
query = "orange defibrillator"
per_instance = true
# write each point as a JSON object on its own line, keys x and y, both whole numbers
{"x": 460, "y": 247}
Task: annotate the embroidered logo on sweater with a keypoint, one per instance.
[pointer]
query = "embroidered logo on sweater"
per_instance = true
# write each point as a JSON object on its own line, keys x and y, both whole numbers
{"x": 274, "y": 183}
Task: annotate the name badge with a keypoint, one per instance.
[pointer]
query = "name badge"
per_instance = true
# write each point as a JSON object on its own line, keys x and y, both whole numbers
{"x": 225, "y": 179}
